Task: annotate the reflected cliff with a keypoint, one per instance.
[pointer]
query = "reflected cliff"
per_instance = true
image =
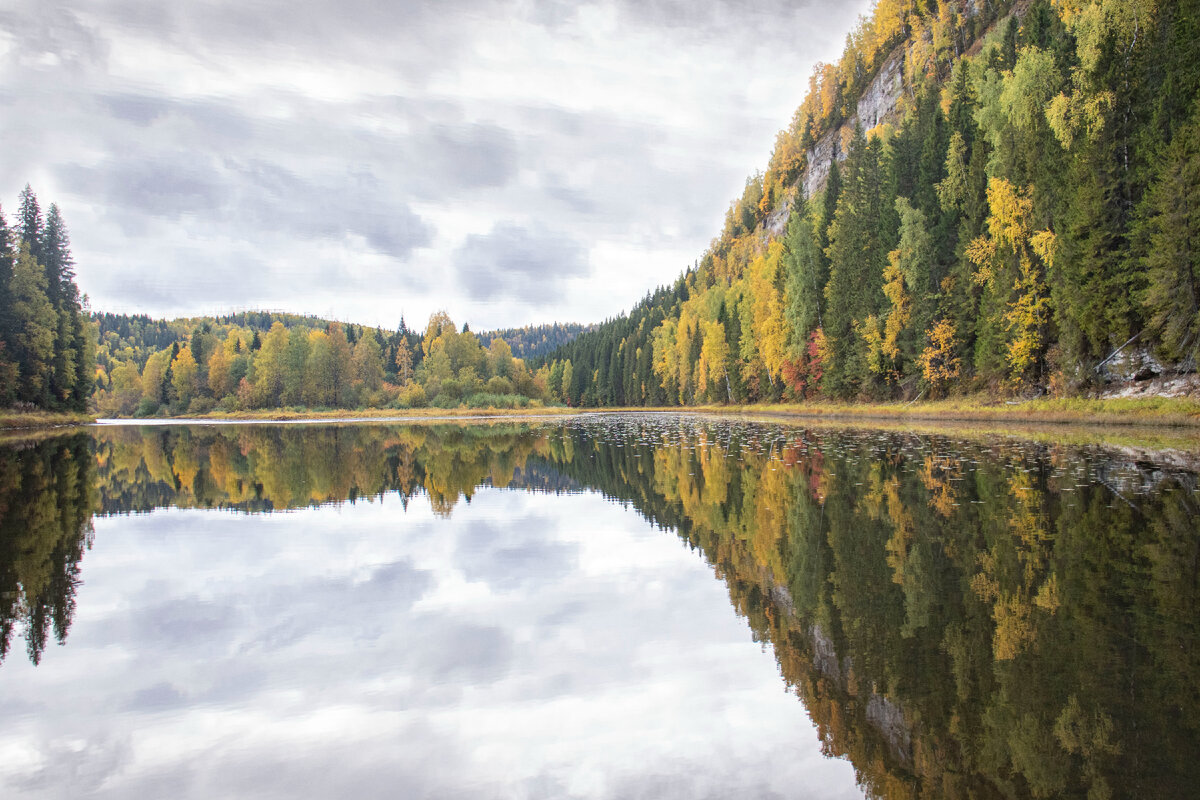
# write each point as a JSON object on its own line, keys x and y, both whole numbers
{"x": 961, "y": 617}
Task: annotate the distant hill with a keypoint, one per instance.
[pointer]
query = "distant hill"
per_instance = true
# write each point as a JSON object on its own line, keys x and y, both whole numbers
{"x": 536, "y": 340}
{"x": 135, "y": 337}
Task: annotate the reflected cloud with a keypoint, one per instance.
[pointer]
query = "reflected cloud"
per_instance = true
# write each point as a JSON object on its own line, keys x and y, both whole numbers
{"x": 514, "y": 554}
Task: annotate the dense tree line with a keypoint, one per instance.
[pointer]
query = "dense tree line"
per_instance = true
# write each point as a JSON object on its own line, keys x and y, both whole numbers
{"x": 47, "y": 347}
{"x": 1027, "y": 211}
{"x": 536, "y": 340}
{"x": 302, "y": 362}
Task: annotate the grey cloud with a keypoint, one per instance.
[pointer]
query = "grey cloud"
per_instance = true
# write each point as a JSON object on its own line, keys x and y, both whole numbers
{"x": 473, "y": 155}
{"x": 514, "y": 262}
{"x": 250, "y": 198}
{"x": 155, "y": 698}
{"x": 290, "y": 611}
{"x": 39, "y": 32}
{"x": 138, "y": 109}
{"x": 637, "y": 172}
{"x": 661, "y": 782}
{"x": 75, "y": 766}
{"x": 168, "y": 186}
{"x": 190, "y": 623}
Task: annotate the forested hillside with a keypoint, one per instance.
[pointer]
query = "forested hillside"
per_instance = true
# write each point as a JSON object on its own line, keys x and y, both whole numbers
{"x": 980, "y": 196}
{"x": 536, "y": 340}
{"x": 47, "y": 349}
{"x": 262, "y": 360}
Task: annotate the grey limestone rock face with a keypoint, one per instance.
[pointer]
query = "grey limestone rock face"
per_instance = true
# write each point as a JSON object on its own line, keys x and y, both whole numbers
{"x": 877, "y": 105}
{"x": 820, "y": 157}
{"x": 879, "y": 101}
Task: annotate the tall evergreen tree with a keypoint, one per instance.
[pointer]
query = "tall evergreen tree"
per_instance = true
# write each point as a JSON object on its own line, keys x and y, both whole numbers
{"x": 55, "y": 255}
{"x": 30, "y": 216}
{"x": 805, "y": 277}
{"x": 34, "y": 330}
{"x": 1173, "y": 260}
{"x": 857, "y": 254}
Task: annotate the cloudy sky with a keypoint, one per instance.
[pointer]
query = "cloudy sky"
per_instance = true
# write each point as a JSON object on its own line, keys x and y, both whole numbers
{"x": 511, "y": 161}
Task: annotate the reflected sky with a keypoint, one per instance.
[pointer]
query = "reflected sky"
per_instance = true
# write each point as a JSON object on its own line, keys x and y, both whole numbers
{"x": 527, "y": 646}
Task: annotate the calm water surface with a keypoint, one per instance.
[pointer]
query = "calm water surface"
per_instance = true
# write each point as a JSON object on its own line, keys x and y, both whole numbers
{"x": 614, "y": 607}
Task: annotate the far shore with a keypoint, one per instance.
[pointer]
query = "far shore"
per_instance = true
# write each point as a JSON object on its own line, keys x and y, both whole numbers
{"x": 1140, "y": 412}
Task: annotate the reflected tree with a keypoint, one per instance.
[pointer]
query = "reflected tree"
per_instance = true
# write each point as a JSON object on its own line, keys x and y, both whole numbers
{"x": 46, "y": 504}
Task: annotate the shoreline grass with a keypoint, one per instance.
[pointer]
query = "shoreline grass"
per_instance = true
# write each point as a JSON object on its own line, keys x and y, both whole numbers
{"x": 343, "y": 414}
{"x": 1140, "y": 422}
{"x": 1133, "y": 412}
{"x": 41, "y": 420}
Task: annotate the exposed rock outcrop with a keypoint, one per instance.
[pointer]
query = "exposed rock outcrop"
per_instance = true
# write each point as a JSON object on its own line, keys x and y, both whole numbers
{"x": 880, "y": 103}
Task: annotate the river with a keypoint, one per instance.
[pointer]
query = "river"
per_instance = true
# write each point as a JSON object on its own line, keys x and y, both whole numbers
{"x": 604, "y": 606}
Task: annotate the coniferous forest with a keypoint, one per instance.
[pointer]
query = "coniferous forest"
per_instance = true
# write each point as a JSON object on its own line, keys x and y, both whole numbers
{"x": 47, "y": 353}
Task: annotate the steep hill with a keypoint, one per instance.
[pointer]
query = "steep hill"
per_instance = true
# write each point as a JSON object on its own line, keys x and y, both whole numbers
{"x": 979, "y": 195}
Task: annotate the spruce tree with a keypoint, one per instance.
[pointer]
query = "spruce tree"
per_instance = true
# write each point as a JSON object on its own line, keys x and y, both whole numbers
{"x": 34, "y": 330}
{"x": 6, "y": 273}
{"x": 30, "y": 216}
{"x": 857, "y": 254}
{"x": 1173, "y": 260}
{"x": 55, "y": 249}
{"x": 805, "y": 276}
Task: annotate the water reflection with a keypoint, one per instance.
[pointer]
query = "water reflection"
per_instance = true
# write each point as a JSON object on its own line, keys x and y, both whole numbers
{"x": 46, "y": 503}
{"x": 961, "y": 618}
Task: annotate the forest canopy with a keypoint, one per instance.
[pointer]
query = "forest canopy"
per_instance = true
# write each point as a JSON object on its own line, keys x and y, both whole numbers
{"x": 261, "y": 360}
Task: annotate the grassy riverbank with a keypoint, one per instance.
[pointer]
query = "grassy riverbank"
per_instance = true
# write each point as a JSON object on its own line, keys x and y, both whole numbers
{"x": 292, "y": 415}
{"x": 37, "y": 420}
{"x": 1157, "y": 411}
{"x": 1140, "y": 412}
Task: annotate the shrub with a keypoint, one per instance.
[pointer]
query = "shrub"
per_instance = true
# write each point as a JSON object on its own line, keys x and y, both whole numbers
{"x": 411, "y": 396}
{"x": 489, "y": 400}
{"x": 499, "y": 385}
{"x": 146, "y": 408}
{"x": 201, "y": 405}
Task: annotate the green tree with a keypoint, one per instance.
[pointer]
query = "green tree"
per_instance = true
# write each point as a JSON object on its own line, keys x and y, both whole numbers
{"x": 30, "y": 226}
{"x": 294, "y": 358}
{"x": 857, "y": 253}
{"x": 806, "y": 275}
{"x": 500, "y": 359}
{"x": 1173, "y": 257}
{"x": 320, "y": 372}
{"x": 35, "y": 327}
{"x": 367, "y": 363}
